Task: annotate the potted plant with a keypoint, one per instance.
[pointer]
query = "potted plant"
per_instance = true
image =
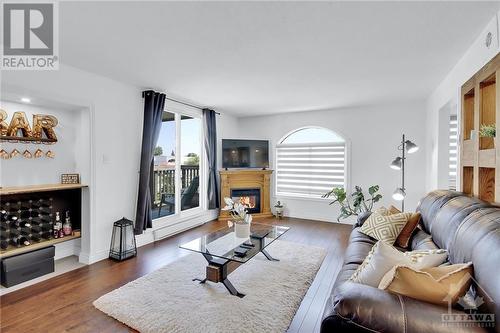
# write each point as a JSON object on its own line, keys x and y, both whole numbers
{"x": 279, "y": 209}
{"x": 239, "y": 217}
{"x": 356, "y": 203}
{"x": 488, "y": 131}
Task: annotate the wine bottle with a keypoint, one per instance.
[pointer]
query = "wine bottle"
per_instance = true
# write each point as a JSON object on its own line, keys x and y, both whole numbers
{"x": 67, "y": 228}
{"x": 12, "y": 217}
{"x": 25, "y": 231}
{"x": 46, "y": 235}
{"x": 41, "y": 203}
{"x": 24, "y": 241}
{"x": 20, "y": 241}
{"x": 23, "y": 205}
{"x": 24, "y": 224}
{"x": 57, "y": 225}
{"x": 4, "y": 244}
{"x": 37, "y": 228}
{"x": 13, "y": 225}
{"x": 36, "y": 238}
{"x": 4, "y": 226}
{"x": 25, "y": 214}
{"x": 3, "y": 235}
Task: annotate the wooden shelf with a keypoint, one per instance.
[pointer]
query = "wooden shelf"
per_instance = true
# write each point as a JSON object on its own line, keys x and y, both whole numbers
{"x": 480, "y": 97}
{"x": 487, "y": 158}
{"x": 487, "y": 107}
{"x": 12, "y": 250}
{"x": 487, "y": 184}
{"x": 38, "y": 188}
{"x": 468, "y": 153}
{"x": 468, "y": 180}
{"x": 468, "y": 114}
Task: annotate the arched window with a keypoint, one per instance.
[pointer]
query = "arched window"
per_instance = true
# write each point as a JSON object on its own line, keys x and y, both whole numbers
{"x": 310, "y": 162}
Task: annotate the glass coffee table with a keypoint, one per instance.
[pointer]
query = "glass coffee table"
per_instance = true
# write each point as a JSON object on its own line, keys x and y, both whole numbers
{"x": 222, "y": 247}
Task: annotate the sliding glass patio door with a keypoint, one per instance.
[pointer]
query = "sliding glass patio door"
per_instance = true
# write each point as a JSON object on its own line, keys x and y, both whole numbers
{"x": 177, "y": 169}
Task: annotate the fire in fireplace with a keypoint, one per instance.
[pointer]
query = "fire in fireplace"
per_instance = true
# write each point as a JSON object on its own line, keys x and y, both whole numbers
{"x": 248, "y": 197}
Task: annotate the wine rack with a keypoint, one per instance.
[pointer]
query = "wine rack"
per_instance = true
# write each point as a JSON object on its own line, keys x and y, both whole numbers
{"x": 25, "y": 222}
{"x": 27, "y": 218}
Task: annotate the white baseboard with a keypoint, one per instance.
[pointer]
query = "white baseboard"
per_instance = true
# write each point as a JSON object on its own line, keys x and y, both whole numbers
{"x": 68, "y": 248}
{"x": 158, "y": 233}
{"x": 183, "y": 225}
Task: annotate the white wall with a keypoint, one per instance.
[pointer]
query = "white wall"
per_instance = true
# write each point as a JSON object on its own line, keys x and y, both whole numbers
{"x": 21, "y": 171}
{"x": 448, "y": 92}
{"x": 116, "y": 125}
{"x": 374, "y": 134}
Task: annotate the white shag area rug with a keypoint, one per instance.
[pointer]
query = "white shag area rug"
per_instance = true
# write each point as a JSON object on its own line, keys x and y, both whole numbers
{"x": 167, "y": 300}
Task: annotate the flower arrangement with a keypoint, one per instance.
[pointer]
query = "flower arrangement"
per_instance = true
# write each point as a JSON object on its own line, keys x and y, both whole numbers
{"x": 238, "y": 211}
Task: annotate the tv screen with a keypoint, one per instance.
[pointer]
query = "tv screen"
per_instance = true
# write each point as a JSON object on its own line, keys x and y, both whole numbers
{"x": 245, "y": 153}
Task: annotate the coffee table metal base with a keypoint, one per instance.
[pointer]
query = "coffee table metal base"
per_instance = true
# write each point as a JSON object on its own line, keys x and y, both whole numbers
{"x": 217, "y": 272}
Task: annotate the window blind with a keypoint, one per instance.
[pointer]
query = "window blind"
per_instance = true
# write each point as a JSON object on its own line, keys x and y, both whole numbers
{"x": 309, "y": 169}
{"x": 453, "y": 154}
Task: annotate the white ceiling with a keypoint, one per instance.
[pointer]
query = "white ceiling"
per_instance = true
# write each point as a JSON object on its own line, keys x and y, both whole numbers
{"x": 253, "y": 58}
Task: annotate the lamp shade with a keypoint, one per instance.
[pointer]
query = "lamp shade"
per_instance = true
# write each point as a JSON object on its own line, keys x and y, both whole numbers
{"x": 410, "y": 147}
{"x": 399, "y": 194}
{"x": 396, "y": 164}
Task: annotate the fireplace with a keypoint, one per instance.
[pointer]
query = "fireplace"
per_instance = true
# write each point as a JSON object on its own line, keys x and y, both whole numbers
{"x": 249, "y": 197}
{"x": 251, "y": 185}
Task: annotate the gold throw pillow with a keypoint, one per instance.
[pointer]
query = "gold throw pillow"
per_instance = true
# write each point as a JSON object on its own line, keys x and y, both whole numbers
{"x": 442, "y": 285}
{"x": 385, "y": 228}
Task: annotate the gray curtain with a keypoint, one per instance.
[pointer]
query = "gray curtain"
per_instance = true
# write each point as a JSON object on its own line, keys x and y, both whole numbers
{"x": 209, "y": 122}
{"x": 153, "y": 110}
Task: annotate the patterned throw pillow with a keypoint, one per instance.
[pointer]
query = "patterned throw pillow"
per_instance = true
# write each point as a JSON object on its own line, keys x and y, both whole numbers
{"x": 385, "y": 228}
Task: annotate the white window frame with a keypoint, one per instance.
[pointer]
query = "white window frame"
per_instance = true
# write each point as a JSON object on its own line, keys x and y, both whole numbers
{"x": 347, "y": 164}
{"x": 180, "y": 110}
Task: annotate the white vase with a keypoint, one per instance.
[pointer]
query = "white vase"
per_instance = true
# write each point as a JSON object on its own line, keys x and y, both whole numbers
{"x": 242, "y": 230}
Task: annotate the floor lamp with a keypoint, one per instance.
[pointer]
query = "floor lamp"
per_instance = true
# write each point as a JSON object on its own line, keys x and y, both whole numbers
{"x": 405, "y": 147}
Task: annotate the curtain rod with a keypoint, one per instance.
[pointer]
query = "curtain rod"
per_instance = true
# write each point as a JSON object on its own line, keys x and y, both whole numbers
{"x": 191, "y": 105}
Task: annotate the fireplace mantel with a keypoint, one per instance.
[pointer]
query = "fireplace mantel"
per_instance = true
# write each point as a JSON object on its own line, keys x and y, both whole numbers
{"x": 245, "y": 179}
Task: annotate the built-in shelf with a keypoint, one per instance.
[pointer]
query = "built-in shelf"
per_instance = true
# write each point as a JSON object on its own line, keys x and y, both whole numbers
{"x": 468, "y": 114}
{"x": 12, "y": 250}
{"x": 38, "y": 188}
{"x": 468, "y": 180}
{"x": 487, "y": 158}
{"x": 487, "y": 184}
{"x": 487, "y": 108}
{"x": 468, "y": 153}
{"x": 478, "y": 155}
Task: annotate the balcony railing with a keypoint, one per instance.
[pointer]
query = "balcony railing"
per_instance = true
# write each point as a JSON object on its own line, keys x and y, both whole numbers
{"x": 163, "y": 181}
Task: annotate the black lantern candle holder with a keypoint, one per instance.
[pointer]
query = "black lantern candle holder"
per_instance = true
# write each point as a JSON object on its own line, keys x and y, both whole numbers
{"x": 123, "y": 240}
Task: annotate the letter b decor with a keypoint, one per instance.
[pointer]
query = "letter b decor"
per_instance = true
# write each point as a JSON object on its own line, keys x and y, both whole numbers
{"x": 19, "y": 128}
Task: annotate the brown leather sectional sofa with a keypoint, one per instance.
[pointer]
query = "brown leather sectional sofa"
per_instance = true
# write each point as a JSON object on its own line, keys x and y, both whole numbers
{"x": 469, "y": 229}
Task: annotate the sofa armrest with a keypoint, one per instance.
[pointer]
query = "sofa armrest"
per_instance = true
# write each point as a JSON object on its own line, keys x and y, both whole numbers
{"x": 355, "y": 307}
{"x": 362, "y": 218}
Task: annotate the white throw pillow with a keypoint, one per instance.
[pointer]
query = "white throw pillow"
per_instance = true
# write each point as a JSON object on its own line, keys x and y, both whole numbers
{"x": 427, "y": 258}
{"x": 383, "y": 257}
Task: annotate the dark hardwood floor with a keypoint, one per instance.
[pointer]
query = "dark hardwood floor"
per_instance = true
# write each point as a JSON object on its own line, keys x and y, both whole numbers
{"x": 64, "y": 303}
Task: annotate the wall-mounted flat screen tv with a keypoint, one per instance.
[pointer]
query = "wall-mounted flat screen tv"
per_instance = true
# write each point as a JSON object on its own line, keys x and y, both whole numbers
{"x": 245, "y": 153}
